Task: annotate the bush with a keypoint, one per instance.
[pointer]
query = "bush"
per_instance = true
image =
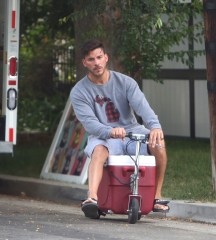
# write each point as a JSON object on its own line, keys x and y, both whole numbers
{"x": 40, "y": 115}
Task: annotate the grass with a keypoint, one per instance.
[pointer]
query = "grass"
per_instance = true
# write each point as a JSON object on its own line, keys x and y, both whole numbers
{"x": 27, "y": 161}
{"x": 188, "y": 174}
{"x": 29, "y": 156}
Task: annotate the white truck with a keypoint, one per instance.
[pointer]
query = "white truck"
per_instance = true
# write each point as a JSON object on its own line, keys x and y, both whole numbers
{"x": 9, "y": 58}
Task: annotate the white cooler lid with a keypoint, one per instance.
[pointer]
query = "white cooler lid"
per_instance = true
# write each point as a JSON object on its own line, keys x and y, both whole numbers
{"x": 124, "y": 160}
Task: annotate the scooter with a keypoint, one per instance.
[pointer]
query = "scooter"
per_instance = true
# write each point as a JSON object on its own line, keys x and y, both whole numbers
{"x": 128, "y": 183}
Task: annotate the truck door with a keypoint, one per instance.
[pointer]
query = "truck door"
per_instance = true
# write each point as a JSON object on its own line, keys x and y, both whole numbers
{"x": 9, "y": 56}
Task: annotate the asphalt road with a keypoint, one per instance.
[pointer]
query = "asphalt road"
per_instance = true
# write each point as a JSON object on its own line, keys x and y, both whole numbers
{"x": 26, "y": 219}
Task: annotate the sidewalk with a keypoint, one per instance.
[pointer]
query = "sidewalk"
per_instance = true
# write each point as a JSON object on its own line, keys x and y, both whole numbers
{"x": 60, "y": 192}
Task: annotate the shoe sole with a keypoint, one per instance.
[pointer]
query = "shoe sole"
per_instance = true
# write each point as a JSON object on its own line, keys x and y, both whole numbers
{"x": 90, "y": 210}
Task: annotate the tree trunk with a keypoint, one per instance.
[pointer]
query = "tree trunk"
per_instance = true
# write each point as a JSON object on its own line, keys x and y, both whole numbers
{"x": 81, "y": 26}
{"x": 87, "y": 24}
{"x": 210, "y": 40}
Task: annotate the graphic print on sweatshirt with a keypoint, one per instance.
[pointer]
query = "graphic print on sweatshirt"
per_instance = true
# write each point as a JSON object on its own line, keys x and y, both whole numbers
{"x": 112, "y": 112}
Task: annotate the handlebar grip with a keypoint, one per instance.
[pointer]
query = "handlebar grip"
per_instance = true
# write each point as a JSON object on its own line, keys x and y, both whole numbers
{"x": 129, "y": 135}
{"x": 137, "y": 137}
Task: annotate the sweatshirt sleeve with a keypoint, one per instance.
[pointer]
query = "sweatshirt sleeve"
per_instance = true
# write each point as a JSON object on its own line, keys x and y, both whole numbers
{"x": 85, "y": 114}
{"x": 141, "y": 106}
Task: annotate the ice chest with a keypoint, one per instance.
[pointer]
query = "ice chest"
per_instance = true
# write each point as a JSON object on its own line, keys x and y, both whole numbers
{"x": 114, "y": 189}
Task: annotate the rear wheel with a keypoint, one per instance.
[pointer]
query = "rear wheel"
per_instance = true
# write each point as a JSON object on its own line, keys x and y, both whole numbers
{"x": 133, "y": 211}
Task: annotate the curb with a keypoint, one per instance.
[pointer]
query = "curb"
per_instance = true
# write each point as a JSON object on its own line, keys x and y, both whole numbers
{"x": 42, "y": 189}
{"x": 65, "y": 193}
{"x": 194, "y": 211}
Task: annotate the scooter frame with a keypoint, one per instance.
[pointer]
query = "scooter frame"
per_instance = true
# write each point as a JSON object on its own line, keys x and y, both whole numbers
{"x": 134, "y": 198}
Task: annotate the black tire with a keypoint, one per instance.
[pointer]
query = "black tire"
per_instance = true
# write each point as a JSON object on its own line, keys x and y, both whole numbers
{"x": 133, "y": 211}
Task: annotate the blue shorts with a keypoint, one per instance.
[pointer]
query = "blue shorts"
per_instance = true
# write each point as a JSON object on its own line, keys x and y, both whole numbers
{"x": 116, "y": 146}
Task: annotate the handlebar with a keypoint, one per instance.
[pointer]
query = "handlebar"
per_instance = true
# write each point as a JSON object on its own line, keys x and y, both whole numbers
{"x": 138, "y": 137}
{"x": 142, "y": 138}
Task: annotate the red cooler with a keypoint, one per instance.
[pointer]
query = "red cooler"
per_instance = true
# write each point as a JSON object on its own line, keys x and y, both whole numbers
{"x": 114, "y": 190}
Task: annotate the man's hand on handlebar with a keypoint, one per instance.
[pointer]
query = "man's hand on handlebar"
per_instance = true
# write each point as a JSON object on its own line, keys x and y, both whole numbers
{"x": 118, "y": 133}
{"x": 156, "y": 138}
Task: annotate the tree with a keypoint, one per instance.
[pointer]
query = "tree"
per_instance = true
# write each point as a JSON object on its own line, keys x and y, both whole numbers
{"x": 41, "y": 32}
{"x": 210, "y": 39}
{"x": 138, "y": 33}
{"x": 40, "y": 103}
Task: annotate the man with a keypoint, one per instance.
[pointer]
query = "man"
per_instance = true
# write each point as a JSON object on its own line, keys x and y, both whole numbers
{"x": 104, "y": 101}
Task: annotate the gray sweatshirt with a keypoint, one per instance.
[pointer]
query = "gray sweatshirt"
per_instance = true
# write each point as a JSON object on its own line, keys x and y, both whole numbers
{"x": 101, "y": 107}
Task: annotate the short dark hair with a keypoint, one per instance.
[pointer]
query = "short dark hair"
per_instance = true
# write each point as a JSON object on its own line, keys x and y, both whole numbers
{"x": 91, "y": 45}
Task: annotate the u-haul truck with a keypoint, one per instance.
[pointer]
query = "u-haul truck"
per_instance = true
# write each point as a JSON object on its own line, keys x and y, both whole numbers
{"x": 9, "y": 58}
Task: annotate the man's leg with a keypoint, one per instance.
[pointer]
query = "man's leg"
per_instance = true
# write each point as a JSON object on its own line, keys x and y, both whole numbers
{"x": 95, "y": 171}
{"x": 161, "y": 163}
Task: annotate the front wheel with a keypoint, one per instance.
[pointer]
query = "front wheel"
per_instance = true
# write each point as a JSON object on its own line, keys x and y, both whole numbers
{"x": 133, "y": 211}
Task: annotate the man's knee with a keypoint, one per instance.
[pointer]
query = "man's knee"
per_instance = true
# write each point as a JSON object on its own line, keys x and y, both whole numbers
{"x": 100, "y": 152}
{"x": 100, "y": 149}
{"x": 158, "y": 152}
